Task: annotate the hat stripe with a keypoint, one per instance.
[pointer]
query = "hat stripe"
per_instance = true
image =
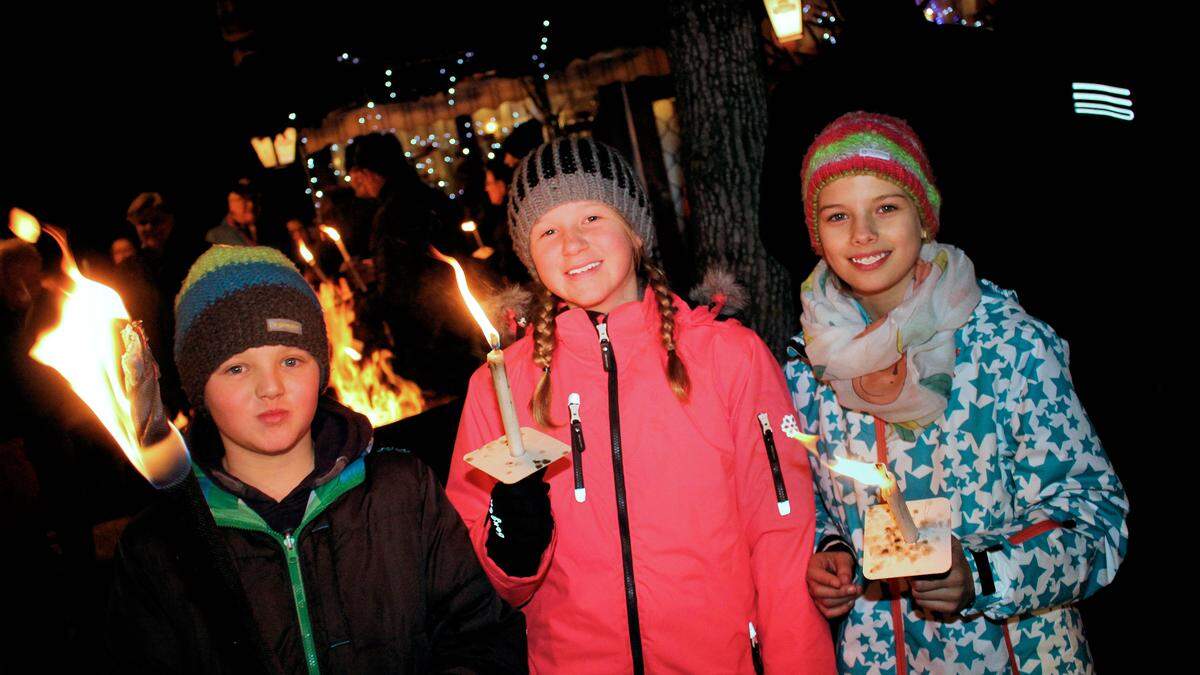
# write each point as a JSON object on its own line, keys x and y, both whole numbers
{"x": 566, "y": 156}
{"x": 848, "y": 147}
{"x": 586, "y": 159}
{"x": 221, "y": 255}
{"x": 605, "y": 161}
{"x": 531, "y": 172}
{"x": 230, "y": 278}
{"x": 547, "y": 157}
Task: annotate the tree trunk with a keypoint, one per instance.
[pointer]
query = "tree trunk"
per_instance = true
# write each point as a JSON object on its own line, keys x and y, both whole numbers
{"x": 721, "y": 102}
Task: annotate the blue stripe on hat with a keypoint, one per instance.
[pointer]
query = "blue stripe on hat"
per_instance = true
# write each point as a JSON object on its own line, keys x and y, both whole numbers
{"x": 229, "y": 279}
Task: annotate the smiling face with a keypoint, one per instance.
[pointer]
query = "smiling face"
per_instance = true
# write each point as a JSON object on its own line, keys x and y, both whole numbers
{"x": 585, "y": 254}
{"x": 871, "y": 236}
{"x": 263, "y": 399}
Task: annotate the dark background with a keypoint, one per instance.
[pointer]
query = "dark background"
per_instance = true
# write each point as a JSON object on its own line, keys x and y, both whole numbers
{"x": 108, "y": 100}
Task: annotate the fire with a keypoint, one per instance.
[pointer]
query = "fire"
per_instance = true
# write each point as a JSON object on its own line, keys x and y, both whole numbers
{"x": 305, "y": 253}
{"x": 331, "y": 232}
{"x": 863, "y": 472}
{"x": 86, "y": 347}
{"x": 24, "y": 225}
{"x": 366, "y": 384}
{"x": 489, "y": 331}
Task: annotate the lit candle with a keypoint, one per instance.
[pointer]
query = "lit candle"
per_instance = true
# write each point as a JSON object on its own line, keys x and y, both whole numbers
{"x": 508, "y": 409}
{"x": 312, "y": 262}
{"x": 336, "y": 237}
{"x": 495, "y": 359}
{"x": 890, "y": 492}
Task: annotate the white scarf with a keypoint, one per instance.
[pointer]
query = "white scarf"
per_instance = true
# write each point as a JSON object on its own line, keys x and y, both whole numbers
{"x": 900, "y": 367}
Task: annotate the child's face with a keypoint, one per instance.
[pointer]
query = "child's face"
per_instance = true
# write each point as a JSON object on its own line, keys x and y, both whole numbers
{"x": 584, "y": 253}
{"x": 871, "y": 234}
{"x": 263, "y": 399}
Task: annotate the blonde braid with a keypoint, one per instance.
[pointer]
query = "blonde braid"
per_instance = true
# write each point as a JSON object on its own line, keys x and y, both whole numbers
{"x": 543, "y": 353}
{"x": 676, "y": 372}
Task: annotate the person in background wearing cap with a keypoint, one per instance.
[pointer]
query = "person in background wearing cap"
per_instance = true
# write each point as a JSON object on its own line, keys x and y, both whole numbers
{"x": 907, "y": 358}
{"x": 239, "y": 227}
{"x": 432, "y": 339}
{"x": 524, "y": 138}
{"x": 665, "y": 546}
{"x": 350, "y": 555}
{"x": 149, "y": 278}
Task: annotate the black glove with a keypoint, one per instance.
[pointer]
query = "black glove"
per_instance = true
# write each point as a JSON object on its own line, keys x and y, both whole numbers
{"x": 521, "y": 525}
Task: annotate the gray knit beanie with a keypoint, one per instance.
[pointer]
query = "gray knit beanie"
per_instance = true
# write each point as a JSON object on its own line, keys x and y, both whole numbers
{"x": 575, "y": 169}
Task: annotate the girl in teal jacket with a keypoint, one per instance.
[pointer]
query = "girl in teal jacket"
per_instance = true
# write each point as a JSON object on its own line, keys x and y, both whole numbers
{"x": 908, "y": 359}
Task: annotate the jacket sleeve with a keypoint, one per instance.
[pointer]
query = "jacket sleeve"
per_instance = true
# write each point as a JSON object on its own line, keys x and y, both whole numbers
{"x": 1067, "y": 535}
{"x": 470, "y": 489}
{"x": 803, "y": 389}
{"x": 793, "y": 635}
{"x": 471, "y": 629}
{"x": 139, "y": 631}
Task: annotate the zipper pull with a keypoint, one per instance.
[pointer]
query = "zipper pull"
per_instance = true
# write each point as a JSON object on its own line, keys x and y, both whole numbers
{"x": 288, "y": 541}
{"x": 605, "y": 346}
{"x": 577, "y": 446}
{"x": 755, "y": 652}
{"x": 781, "y": 496}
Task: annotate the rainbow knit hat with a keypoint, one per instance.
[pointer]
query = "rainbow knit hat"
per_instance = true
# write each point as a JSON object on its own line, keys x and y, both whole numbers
{"x": 870, "y": 143}
{"x": 238, "y": 297}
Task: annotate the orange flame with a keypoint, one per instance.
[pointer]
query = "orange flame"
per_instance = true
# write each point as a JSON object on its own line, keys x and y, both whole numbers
{"x": 863, "y": 472}
{"x": 489, "y": 331}
{"x": 331, "y": 232}
{"x": 85, "y": 347}
{"x": 365, "y": 384}
{"x": 305, "y": 253}
{"x": 24, "y": 225}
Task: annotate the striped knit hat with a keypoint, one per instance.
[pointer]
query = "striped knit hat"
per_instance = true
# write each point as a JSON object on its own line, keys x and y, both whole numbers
{"x": 878, "y": 145}
{"x": 239, "y": 297}
{"x": 575, "y": 169}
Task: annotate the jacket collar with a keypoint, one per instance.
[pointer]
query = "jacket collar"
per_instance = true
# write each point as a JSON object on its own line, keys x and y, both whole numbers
{"x": 340, "y": 436}
{"x": 632, "y": 328}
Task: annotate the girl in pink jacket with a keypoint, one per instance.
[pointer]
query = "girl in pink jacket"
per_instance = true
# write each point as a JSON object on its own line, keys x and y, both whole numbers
{"x": 676, "y": 538}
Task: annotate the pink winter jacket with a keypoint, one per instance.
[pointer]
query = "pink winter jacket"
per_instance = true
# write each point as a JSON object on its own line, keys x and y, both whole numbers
{"x": 711, "y": 553}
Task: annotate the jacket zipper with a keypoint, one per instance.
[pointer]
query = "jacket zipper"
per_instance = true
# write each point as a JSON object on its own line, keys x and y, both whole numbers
{"x": 577, "y": 447}
{"x": 299, "y": 596}
{"x": 614, "y": 424}
{"x": 768, "y": 436}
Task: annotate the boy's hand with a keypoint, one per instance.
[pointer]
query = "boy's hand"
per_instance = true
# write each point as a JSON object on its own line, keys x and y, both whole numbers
{"x": 950, "y": 592}
{"x": 831, "y": 582}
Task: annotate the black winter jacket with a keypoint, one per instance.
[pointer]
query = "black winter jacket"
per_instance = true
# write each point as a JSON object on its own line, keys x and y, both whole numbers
{"x": 378, "y": 577}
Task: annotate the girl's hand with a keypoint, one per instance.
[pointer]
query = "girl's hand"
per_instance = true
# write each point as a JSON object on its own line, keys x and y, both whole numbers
{"x": 830, "y": 582}
{"x": 950, "y": 592}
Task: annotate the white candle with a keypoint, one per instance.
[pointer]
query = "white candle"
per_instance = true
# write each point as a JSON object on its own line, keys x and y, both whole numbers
{"x": 508, "y": 410}
{"x": 891, "y": 493}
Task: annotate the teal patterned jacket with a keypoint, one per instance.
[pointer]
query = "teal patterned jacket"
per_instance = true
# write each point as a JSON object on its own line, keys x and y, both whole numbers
{"x": 1033, "y": 494}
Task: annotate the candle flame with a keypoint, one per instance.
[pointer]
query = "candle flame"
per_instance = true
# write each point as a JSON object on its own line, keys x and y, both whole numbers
{"x": 305, "y": 253}
{"x": 85, "y": 347}
{"x": 469, "y": 226}
{"x": 489, "y": 331}
{"x": 24, "y": 225}
{"x": 331, "y": 232}
{"x": 863, "y": 472}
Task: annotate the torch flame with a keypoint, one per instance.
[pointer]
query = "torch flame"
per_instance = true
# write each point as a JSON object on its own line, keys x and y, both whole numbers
{"x": 24, "y": 225}
{"x": 863, "y": 472}
{"x": 489, "y": 331}
{"x": 469, "y": 226}
{"x": 305, "y": 253}
{"x": 85, "y": 347}
{"x": 331, "y": 232}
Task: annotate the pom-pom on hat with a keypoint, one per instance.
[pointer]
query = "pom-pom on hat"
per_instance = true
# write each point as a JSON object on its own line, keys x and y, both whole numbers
{"x": 878, "y": 145}
{"x": 239, "y": 297}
